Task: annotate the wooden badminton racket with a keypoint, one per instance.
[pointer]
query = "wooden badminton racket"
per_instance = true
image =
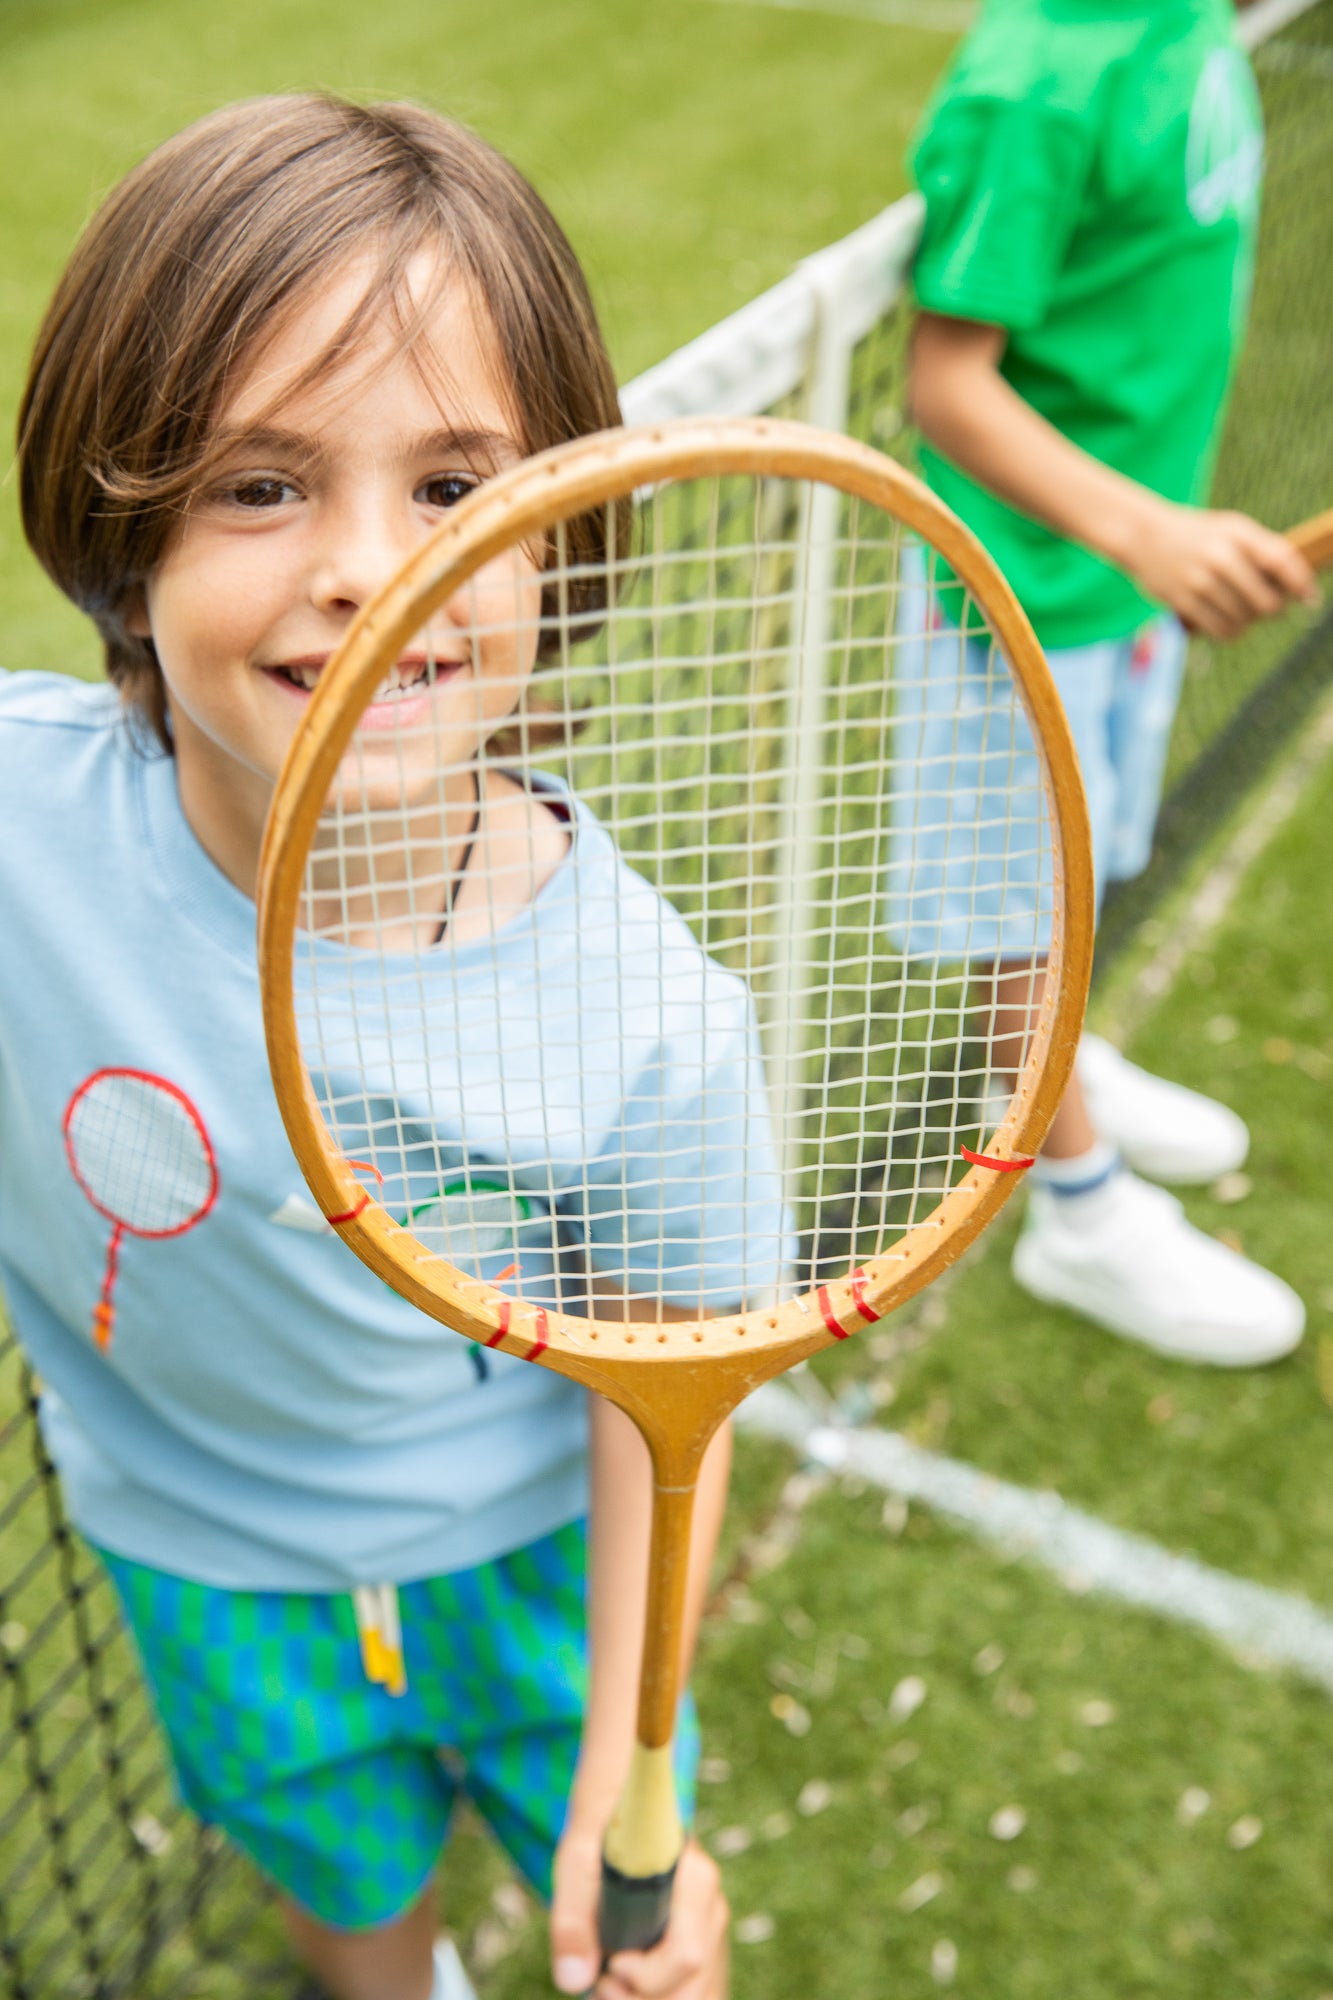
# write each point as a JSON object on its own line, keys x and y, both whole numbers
{"x": 610, "y": 867}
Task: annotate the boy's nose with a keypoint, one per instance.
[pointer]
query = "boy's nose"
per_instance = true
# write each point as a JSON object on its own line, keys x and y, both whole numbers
{"x": 358, "y": 557}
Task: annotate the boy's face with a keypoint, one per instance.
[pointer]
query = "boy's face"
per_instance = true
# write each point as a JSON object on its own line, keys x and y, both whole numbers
{"x": 325, "y": 491}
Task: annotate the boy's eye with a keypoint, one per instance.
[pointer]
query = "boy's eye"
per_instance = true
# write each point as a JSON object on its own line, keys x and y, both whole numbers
{"x": 446, "y": 489}
{"x": 258, "y": 489}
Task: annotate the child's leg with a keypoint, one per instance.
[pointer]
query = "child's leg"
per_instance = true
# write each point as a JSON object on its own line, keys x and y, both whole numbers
{"x": 392, "y": 1962}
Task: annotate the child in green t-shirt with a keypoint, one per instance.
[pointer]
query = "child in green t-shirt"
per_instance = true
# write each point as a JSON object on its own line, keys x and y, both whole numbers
{"x": 1091, "y": 174}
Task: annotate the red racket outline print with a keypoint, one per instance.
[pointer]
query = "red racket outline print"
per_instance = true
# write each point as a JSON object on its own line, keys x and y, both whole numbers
{"x": 183, "y": 1205}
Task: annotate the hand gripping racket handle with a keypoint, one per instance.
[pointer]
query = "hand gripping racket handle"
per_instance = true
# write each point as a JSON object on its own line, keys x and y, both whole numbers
{"x": 634, "y": 1910}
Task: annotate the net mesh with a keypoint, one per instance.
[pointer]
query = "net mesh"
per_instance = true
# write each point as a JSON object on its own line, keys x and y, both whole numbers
{"x": 107, "y": 1886}
{"x": 710, "y": 987}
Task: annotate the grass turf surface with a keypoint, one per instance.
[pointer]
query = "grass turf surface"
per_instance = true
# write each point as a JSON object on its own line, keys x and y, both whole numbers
{"x": 693, "y": 151}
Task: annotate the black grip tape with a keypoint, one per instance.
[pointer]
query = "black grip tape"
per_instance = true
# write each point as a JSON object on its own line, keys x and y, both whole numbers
{"x": 634, "y": 1910}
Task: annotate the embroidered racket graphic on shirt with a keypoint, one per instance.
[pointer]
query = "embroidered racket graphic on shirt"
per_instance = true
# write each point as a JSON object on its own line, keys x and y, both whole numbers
{"x": 140, "y": 1151}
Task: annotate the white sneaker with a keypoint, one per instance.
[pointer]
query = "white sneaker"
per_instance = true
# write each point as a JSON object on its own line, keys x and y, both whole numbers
{"x": 1158, "y": 1128}
{"x": 451, "y": 1982}
{"x": 1133, "y": 1263}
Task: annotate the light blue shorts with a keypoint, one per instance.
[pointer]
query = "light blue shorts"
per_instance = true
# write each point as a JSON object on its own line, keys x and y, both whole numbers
{"x": 967, "y": 873}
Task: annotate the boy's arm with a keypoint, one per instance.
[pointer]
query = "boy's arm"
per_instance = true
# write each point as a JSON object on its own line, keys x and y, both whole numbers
{"x": 687, "y": 1965}
{"x": 1217, "y": 571}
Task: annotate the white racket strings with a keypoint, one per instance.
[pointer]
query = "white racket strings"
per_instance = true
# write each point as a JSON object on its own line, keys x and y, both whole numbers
{"x": 653, "y": 933}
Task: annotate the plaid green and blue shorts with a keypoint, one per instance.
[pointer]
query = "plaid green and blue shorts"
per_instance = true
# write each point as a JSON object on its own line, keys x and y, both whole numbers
{"x": 340, "y": 1791}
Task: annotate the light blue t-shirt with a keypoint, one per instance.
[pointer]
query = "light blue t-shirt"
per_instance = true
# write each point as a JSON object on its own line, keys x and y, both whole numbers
{"x": 268, "y": 1414}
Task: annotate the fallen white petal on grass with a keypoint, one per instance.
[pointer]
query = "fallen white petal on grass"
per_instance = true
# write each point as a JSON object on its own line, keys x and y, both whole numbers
{"x": 1097, "y": 1714}
{"x": 814, "y": 1797}
{"x": 907, "y": 1698}
{"x": 924, "y": 1890}
{"x": 510, "y": 1903}
{"x": 1007, "y": 1823}
{"x": 1245, "y": 1832}
{"x": 789, "y": 1712}
{"x": 492, "y": 1942}
{"x": 732, "y": 1840}
{"x": 1022, "y": 1880}
{"x": 714, "y": 1770}
{"x": 757, "y": 1929}
{"x": 1194, "y": 1803}
{"x": 1232, "y": 1188}
{"x": 13, "y": 1635}
{"x": 989, "y": 1660}
{"x": 913, "y": 1821}
{"x": 151, "y": 1835}
{"x": 944, "y": 1962}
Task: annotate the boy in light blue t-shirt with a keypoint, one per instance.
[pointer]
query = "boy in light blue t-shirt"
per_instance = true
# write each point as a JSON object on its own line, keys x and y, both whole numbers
{"x": 294, "y": 338}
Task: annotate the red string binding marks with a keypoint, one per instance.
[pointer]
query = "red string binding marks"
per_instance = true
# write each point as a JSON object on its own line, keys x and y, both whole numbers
{"x": 999, "y": 1166}
{"x": 857, "y": 1280}
{"x": 365, "y": 1167}
{"x": 140, "y": 1151}
{"x": 541, "y": 1339}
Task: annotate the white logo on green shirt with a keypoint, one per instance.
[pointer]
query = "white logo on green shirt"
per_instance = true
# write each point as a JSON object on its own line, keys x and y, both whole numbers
{"x": 1224, "y": 151}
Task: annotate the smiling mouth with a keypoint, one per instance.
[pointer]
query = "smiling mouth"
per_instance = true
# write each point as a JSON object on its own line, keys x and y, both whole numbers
{"x": 407, "y": 676}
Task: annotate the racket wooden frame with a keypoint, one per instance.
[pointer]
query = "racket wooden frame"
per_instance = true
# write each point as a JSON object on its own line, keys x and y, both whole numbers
{"x": 1314, "y": 539}
{"x": 678, "y": 1381}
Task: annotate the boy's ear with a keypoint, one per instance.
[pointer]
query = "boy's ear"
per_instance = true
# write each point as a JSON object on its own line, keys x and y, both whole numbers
{"x": 134, "y": 612}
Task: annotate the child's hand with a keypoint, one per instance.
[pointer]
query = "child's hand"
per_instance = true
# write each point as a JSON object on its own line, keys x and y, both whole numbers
{"x": 1217, "y": 571}
{"x": 689, "y": 1964}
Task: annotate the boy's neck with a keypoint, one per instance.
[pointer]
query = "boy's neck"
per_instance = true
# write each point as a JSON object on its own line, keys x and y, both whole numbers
{"x": 225, "y": 806}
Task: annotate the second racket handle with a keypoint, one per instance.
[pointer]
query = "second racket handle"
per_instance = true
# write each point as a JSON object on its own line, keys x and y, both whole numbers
{"x": 634, "y": 1910}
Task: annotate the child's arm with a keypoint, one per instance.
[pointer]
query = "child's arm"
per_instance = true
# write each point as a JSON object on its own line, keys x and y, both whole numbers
{"x": 1217, "y": 571}
{"x": 688, "y": 1964}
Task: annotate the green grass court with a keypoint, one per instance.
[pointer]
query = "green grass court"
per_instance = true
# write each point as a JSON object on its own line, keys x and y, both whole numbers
{"x": 933, "y": 1768}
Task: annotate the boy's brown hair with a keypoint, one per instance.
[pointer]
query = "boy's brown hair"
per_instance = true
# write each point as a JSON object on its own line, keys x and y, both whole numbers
{"x": 201, "y": 253}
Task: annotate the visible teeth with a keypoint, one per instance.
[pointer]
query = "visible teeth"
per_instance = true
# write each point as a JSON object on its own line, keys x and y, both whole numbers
{"x": 398, "y": 680}
{"x": 301, "y": 677}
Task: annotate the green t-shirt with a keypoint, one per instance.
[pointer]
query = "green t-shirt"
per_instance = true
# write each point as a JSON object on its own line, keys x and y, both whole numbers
{"x": 1091, "y": 174}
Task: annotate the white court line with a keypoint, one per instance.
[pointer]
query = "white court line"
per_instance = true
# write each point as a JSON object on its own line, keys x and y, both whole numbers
{"x": 1262, "y": 1625}
{"x": 942, "y": 17}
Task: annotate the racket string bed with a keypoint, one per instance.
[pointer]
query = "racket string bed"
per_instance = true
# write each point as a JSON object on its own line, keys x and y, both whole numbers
{"x": 698, "y": 770}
